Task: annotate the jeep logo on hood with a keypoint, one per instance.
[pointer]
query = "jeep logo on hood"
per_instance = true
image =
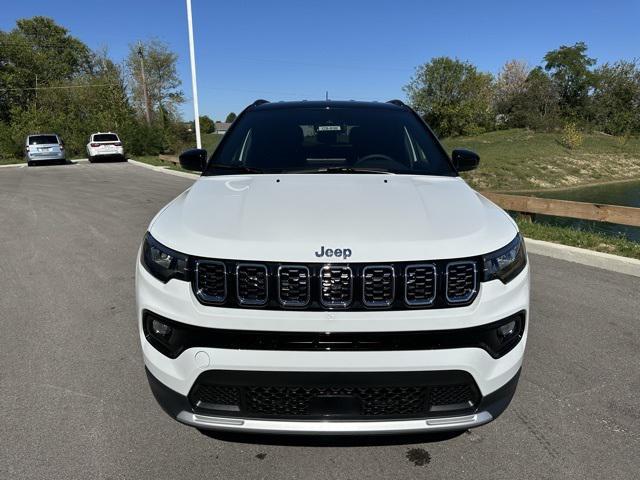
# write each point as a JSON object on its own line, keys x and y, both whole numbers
{"x": 334, "y": 252}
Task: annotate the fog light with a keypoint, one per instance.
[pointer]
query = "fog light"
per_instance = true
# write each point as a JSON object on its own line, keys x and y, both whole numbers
{"x": 160, "y": 329}
{"x": 507, "y": 329}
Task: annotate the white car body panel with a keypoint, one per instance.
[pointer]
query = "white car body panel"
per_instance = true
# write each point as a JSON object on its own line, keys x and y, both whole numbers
{"x": 287, "y": 218}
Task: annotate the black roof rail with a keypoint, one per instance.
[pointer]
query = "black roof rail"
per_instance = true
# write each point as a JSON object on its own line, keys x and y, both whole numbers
{"x": 399, "y": 103}
{"x": 258, "y": 102}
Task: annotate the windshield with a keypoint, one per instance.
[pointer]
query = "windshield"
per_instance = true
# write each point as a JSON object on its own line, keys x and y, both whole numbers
{"x": 42, "y": 139}
{"x": 349, "y": 140}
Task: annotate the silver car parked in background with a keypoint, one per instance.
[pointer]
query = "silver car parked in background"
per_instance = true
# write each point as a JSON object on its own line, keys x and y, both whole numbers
{"x": 44, "y": 147}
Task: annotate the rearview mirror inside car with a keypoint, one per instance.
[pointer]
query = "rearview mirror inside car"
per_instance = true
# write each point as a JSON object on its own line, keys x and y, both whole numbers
{"x": 194, "y": 159}
{"x": 465, "y": 160}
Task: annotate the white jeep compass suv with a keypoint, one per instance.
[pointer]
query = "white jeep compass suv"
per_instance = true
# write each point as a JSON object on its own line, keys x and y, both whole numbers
{"x": 331, "y": 273}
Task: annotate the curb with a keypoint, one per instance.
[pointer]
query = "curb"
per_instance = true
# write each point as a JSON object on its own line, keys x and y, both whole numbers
{"x": 24, "y": 164}
{"x": 591, "y": 258}
{"x": 163, "y": 169}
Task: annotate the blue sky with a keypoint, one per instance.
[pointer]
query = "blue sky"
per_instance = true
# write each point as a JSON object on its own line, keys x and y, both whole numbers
{"x": 363, "y": 50}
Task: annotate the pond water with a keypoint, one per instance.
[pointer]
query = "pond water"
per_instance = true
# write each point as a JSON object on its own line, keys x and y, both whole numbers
{"x": 626, "y": 194}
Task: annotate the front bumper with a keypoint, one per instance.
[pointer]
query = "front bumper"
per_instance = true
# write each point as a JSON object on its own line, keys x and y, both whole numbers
{"x": 179, "y": 407}
{"x": 171, "y": 380}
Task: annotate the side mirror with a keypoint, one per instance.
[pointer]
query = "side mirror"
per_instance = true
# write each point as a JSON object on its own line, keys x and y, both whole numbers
{"x": 194, "y": 159}
{"x": 465, "y": 160}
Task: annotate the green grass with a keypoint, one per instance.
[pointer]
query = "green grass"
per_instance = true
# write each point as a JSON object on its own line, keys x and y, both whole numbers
{"x": 616, "y": 245}
{"x": 9, "y": 161}
{"x": 210, "y": 141}
{"x": 520, "y": 159}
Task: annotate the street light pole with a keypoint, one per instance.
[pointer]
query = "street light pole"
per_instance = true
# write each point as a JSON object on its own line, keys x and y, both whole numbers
{"x": 194, "y": 84}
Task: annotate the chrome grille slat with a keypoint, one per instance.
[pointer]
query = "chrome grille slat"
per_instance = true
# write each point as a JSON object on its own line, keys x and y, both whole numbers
{"x": 252, "y": 283}
{"x": 378, "y": 285}
{"x": 460, "y": 281}
{"x": 420, "y": 284}
{"x": 294, "y": 285}
{"x": 336, "y": 286}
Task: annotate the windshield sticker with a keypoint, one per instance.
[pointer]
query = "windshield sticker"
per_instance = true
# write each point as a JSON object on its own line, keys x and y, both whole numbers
{"x": 329, "y": 128}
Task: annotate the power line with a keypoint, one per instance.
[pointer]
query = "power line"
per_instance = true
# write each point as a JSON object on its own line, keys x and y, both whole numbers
{"x": 61, "y": 87}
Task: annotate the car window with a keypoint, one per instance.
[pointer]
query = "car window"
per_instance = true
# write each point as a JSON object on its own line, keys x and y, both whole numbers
{"x": 42, "y": 139}
{"x": 106, "y": 137}
{"x": 281, "y": 140}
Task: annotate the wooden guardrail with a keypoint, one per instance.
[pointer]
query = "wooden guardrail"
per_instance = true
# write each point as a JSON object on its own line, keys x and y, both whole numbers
{"x": 565, "y": 208}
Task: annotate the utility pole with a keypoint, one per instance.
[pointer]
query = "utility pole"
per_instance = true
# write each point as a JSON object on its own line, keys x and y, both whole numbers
{"x": 194, "y": 84}
{"x": 145, "y": 94}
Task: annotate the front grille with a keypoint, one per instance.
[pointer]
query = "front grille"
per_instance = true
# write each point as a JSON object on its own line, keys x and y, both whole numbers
{"x": 461, "y": 281}
{"x": 336, "y": 286}
{"x": 309, "y": 400}
{"x": 420, "y": 281}
{"x": 217, "y": 397}
{"x": 378, "y": 285}
{"x": 211, "y": 281}
{"x": 294, "y": 287}
{"x": 447, "y": 397}
{"x": 252, "y": 284}
{"x": 318, "y": 286}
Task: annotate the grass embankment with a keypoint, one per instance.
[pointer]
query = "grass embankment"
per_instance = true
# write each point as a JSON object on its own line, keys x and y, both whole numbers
{"x": 11, "y": 161}
{"x": 519, "y": 159}
{"x": 616, "y": 245}
{"x": 209, "y": 142}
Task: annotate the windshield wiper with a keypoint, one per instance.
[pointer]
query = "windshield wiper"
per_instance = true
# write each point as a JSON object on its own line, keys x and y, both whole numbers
{"x": 341, "y": 170}
{"x": 237, "y": 168}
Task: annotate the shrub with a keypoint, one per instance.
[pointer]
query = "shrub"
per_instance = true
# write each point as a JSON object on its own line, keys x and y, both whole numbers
{"x": 571, "y": 136}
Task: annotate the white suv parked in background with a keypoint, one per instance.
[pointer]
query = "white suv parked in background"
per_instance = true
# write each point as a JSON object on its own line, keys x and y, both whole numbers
{"x": 105, "y": 146}
{"x": 330, "y": 272}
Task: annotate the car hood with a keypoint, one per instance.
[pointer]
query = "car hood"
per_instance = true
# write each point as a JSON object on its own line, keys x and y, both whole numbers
{"x": 291, "y": 217}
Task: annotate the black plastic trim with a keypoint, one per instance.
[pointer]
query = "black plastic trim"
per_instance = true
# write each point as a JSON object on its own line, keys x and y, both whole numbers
{"x": 173, "y": 402}
{"x": 185, "y": 336}
{"x": 356, "y": 303}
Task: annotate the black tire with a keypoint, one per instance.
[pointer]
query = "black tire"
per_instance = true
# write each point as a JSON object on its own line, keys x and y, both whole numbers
{"x": 29, "y": 164}
{"x": 90, "y": 159}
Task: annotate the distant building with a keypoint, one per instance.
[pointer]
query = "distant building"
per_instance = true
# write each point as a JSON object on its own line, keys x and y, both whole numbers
{"x": 222, "y": 127}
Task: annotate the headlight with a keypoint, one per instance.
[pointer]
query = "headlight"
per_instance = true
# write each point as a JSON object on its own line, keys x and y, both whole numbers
{"x": 162, "y": 262}
{"x": 506, "y": 263}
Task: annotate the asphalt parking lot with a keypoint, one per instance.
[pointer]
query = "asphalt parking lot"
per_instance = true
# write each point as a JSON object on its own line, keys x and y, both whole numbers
{"x": 75, "y": 401}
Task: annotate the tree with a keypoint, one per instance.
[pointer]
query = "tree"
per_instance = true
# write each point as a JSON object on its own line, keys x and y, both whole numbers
{"x": 616, "y": 97}
{"x": 37, "y": 48}
{"x": 452, "y": 96}
{"x": 510, "y": 84}
{"x": 570, "y": 69}
{"x": 536, "y": 106}
{"x": 231, "y": 117}
{"x": 160, "y": 77}
{"x": 207, "y": 125}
